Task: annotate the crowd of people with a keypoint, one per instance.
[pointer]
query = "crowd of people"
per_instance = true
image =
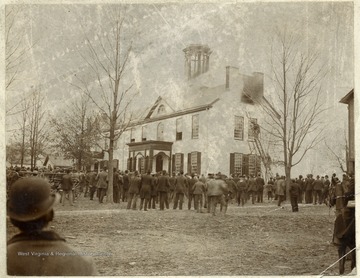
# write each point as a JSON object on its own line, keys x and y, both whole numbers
{"x": 163, "y": 189}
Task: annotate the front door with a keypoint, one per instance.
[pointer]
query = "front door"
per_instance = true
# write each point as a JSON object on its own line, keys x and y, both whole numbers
{"x": 159, "y": 163}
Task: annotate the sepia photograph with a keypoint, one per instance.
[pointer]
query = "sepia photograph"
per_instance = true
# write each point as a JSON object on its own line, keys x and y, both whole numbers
{"x": 170, "y": 138}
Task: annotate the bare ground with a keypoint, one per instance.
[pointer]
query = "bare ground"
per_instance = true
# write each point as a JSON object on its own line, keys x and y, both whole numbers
{"x": 259, "y": 239}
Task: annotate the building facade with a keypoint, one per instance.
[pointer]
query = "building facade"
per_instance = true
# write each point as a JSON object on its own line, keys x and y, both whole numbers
{"x": 210, "y": 131}
{"x": 350, "y": 160}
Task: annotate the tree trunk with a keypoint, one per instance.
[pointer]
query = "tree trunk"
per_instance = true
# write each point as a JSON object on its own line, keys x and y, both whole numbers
{"x": 287, "y": 180}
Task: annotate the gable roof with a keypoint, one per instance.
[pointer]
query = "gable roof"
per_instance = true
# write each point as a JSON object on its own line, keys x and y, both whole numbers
{"x": 160, "y": 101}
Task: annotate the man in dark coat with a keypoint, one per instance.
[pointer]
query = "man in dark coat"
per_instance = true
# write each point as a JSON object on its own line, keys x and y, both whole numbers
{"x": 172, "y": 181}
{"x": 154, "y": 193}
{"x": 241, "y": 187}
{"x": 232, "y": 189}
{"x": 309, "y": 187}
{"x": 125, "y": 190}
{"x": 326, "y": 189}
{"x": 260, "y": 188}
{"x": 30, "y": 208}
{"x": 180, "y": 187}
{"x": 102, "y": 184}
{"x": 163, "y": 189}
{"x": 145, "y": 191}
{"x": 252, "y": 189}
{"x": 67, "y": 186}
{"x": 91, "y": 180}
{"x": 198, "y": 191}
{"x": 294, "y": 191}
{"x": 134, "y": 190}
{"x": 317, "y": 190}
{"x": 301, "y": 184}
{"x": 116, "y": 188}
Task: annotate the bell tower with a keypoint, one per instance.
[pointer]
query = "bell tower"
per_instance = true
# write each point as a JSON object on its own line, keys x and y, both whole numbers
{"x": 197, "y": 58}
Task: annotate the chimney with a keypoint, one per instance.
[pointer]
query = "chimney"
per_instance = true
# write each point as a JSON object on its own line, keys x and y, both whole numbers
{"x": 197, "y": 58}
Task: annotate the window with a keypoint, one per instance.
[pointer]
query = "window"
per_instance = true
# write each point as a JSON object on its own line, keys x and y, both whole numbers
{"x": 143, "y": 133}
{"x": 239, "y": 128}
{"x": 252, "y": 122}
{"x": 178, "y": 129}
{"x": 132, "y": 135}
{"x": 194, "y": 162}
{"x": 236, "y": 163}
{"x": 160, "y": 132}
{"x": 195, "y": 127}
{"x": 161, "y": 109}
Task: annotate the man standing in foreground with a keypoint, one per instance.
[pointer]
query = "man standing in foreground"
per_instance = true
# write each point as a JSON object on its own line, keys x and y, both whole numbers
{"x": 30, "y": 208}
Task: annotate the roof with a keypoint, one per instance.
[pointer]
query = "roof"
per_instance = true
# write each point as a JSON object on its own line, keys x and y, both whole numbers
{"x": 348, "y": 98}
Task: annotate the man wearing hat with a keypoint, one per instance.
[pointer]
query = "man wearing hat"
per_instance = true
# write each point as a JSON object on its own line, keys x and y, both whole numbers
{"x": 35, "y": 251}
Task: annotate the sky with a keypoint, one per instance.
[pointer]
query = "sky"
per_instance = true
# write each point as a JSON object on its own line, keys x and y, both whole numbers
{"x": 240, "y": 35}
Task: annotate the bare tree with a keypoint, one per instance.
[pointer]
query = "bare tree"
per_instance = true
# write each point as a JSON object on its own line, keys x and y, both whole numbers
{"x": 297, "y": 81}
{"x": 108, "y": 58}
{"x": 77, "y": 132}
{"x": 37, "y": 127}
{"x": 22, "y": 124}
{"x": 17, "y": 48}
{"x": 340, "y": 155}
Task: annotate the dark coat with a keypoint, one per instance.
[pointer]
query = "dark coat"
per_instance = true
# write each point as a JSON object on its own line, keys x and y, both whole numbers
{"x": 102, "y": 179}
{"x": 191, "y": 184}
{"x": 198, "y": 188}
{"x": 181, "y": 184}
{"x": 309, "y": 184}
{"x": 241, "y": 186}
{"x": 57, "y": 259}
{"x": 318, "y": 185}
{"x": 163, "y": 184}
{"x": 252, "y": 186}
{"x": 135, "y": 185}
{"x": 217, "y": 187}
{"x": 146, "y": 183}
{"x": 66, "y": 183}
{"x": 126, "y": 182}
{"x": 260, "y": 183}
{"x": 172, "y": 181}
{"x": 231, "y": 185}
{"x": 294, "y": 189}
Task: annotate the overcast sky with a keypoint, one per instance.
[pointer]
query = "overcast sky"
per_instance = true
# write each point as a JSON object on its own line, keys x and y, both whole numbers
{"x": 239, "y": 35}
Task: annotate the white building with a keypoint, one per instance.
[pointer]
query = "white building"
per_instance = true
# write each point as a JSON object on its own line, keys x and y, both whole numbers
{"x": 209, "y": 131}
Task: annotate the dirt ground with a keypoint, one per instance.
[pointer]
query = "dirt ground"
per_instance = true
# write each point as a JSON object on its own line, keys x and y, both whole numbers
{"x": 260, "y": 239}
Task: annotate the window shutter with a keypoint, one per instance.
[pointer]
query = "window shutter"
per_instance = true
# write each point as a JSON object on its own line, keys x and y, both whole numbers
{"x": 246, "y": 165}
{"x": 182, "y": 162}
{"x": 189, "y": 164}
{"x": 199, "y": 163}
{"x": 232, "y": 163}
{"x": 173, "y": 164}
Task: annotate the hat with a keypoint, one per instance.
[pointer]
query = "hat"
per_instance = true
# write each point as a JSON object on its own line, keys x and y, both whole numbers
{"x": 30, "y": 199}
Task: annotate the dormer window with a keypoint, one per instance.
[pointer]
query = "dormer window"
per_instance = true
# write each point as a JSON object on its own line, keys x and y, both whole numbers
{"x": 161, "y": 109}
